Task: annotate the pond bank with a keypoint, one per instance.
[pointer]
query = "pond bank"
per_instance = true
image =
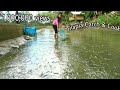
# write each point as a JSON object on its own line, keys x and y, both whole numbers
{"x": 10, "y": 31}
{"x": 7, "y": 46}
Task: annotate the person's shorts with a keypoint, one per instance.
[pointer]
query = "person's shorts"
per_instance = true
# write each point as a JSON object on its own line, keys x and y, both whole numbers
{"x": 55, "y": 28}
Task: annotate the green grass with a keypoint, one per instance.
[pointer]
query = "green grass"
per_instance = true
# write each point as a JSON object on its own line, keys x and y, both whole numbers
{"x": 114, "y": 20}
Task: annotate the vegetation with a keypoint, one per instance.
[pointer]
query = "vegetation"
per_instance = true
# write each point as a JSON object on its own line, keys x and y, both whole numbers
{"x": 104, "y": 16}
{"x": 109, "y": 19}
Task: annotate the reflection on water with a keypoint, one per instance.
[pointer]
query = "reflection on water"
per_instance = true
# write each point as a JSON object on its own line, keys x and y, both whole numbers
{"x": 94, "y": 54}
{"x": 88, "y": 54}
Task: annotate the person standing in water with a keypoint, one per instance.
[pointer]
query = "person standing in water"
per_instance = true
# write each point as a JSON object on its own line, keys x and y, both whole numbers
{"x": 57, "y": 24}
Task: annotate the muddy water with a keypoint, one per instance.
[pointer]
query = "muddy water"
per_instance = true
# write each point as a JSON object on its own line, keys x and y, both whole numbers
{"x": 84, "y": 54}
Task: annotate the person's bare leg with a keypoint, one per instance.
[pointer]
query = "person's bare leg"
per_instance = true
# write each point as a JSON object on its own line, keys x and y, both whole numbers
{"x": 56, "y": 36}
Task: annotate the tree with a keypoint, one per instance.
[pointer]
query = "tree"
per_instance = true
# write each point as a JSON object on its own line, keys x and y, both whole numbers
{"x": 1, "y": 17}
{"x": 1, "y": 14}
{"x": 66, "y": 12}
{"x": 89, "y": 14}
{"x": 17, "y": 17}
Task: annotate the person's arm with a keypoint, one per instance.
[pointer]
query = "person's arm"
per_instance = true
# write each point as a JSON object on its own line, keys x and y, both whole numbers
{"x": 60, "y": 24}
{"x": 57, "y": 27}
